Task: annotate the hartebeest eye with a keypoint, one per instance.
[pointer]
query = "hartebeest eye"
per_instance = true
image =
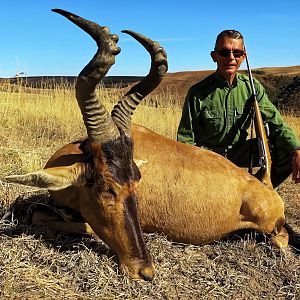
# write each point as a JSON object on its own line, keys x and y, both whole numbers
{"x": 112, "y": 191}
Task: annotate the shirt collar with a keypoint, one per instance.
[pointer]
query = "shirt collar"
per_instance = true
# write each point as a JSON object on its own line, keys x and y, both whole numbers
{"x": 223, "y": 82}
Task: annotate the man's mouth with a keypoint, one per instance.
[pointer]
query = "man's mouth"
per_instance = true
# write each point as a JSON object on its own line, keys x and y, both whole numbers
{"x": 229, "y": 66}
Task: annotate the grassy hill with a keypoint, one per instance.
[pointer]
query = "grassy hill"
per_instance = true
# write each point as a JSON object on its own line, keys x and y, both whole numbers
{"x": 282, "y": 84}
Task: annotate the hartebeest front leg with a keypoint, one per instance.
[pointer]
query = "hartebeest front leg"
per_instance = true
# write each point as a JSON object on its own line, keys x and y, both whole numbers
{"x": 51, "y": 219}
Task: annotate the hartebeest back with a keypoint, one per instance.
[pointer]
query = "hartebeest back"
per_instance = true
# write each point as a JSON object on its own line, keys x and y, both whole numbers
{"x": 190, "y": 194}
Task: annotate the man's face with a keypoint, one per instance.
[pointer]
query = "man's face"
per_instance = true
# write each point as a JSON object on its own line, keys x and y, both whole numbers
{"x": 229, "y": 61}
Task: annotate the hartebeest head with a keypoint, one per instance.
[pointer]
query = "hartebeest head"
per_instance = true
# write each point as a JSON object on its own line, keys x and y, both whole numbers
{"x": 106, "y": 186}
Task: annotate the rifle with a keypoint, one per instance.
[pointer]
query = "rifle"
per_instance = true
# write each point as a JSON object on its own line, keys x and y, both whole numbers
{"x": 265, "y": 160}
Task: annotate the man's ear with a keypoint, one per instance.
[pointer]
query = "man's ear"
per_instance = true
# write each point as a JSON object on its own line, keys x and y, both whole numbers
{"x": 55, "y": 179}
{"x": 213, "y": 56}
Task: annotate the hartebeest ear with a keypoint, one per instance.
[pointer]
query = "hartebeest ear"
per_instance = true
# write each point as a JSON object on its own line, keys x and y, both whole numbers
{"x": 56, "y": 178}
{"x": 140, "y": 162}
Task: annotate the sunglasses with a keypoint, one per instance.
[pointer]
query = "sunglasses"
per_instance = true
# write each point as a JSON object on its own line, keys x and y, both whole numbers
{"x": 226, "y": 53}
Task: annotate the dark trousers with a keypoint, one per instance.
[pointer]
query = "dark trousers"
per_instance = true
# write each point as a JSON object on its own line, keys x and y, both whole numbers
{"x": 281, "y": 160}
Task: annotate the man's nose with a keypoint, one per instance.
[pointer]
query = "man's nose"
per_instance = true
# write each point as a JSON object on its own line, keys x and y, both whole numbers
{"x": 231, "y": 56}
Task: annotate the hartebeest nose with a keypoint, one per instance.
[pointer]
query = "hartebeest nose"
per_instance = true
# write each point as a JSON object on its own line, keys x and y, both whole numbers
{"x": 147, "y": 273}
{"x": 138, "y": 271}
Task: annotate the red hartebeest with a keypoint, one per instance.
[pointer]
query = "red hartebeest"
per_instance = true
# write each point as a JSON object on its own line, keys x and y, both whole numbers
{"x": 190, "y": 194}
{"x": 108, "y": 200}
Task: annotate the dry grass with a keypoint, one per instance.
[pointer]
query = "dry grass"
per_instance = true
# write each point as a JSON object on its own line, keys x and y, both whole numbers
{"x": 37, "y": 263}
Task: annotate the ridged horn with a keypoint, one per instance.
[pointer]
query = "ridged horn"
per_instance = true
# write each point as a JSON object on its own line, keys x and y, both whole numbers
{"x": 123, "y": 110}
{"x": 99, "y": 124}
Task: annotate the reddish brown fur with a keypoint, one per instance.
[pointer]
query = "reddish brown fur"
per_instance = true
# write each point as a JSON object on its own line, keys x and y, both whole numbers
{"x": 190, "y": 194}
{"x": 107, "y": 203}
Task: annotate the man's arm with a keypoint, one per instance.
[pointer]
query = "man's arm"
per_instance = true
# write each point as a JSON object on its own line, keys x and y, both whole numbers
{"x": 185, "y": 133}
{"x": 296, "y": 167}
{"x": 281, "y": 135}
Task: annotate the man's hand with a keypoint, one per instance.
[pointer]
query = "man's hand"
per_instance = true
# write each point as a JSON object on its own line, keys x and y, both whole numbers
{"x": 296, "y": 167}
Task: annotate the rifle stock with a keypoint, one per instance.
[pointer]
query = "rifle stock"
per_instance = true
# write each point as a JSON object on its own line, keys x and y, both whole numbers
{"x": 265, "y": 160}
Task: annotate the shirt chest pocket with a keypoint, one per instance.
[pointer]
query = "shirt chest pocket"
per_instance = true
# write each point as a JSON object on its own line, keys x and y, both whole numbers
{"x": 213, "y": 120}
{"x": 241, "y": 118}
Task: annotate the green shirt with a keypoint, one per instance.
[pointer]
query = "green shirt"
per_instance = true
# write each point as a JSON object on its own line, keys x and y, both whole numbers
{"x": 218, "y": 114}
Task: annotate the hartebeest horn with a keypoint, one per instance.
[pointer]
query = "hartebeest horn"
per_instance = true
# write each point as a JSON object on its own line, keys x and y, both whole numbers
{"x": 123, "y": 110}
{"x": 99, "y": 124}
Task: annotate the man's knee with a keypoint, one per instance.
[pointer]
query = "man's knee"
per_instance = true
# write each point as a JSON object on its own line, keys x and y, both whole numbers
{"x": 282, "y": 165}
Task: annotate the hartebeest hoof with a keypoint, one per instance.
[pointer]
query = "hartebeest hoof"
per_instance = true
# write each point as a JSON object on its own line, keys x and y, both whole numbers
{"x": 280, "y": 239}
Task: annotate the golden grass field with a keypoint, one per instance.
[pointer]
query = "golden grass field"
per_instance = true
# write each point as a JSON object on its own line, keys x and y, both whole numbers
{"x": 37, "y": 263}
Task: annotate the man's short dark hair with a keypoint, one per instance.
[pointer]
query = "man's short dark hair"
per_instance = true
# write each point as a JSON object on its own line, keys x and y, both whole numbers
{"x": 233, "y": 34}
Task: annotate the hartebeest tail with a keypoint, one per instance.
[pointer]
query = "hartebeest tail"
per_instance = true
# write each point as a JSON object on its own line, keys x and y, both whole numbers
{"x": 108, "y": 200}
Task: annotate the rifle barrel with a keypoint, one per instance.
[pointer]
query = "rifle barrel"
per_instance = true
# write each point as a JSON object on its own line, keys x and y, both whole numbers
{"x": 266, "y": 160}
{"x": 250, "y": 75}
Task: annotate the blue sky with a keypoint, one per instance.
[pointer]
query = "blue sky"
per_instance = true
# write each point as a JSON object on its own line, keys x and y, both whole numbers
{"x": 36, "y": 41}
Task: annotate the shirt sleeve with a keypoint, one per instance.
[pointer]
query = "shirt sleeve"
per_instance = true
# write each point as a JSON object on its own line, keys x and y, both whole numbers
{"x": 280, "y": 133}
{"x": 185, "y": 133}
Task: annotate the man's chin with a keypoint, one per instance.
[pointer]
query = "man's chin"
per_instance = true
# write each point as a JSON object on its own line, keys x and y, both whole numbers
{"x": 229, "y": 71}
